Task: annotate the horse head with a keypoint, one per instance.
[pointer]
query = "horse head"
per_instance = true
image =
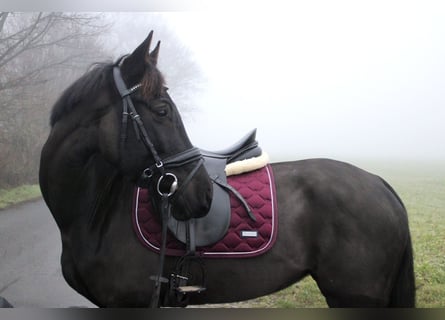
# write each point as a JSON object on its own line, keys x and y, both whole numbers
{"x": 137, "y": 128}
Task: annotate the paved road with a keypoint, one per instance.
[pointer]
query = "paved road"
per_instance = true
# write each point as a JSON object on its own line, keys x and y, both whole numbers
{"x": 30, "y": 247}
{"x": 30, "y": 272}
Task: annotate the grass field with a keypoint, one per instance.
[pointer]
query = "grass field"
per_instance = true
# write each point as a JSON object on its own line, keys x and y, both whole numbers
{"x": 424, "y": 196}
{"x": 16, "y": 195}
{"x": 422, "y": 189}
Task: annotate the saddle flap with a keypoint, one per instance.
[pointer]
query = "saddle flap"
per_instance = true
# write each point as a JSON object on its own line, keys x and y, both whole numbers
{"x": 212, "y": 227}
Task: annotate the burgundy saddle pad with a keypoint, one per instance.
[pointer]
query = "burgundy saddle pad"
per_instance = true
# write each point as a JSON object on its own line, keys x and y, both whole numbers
{"x": 244, "y": 238}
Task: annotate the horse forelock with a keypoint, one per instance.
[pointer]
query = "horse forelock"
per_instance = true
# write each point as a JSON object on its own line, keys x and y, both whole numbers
{"x": 152, "y": 83}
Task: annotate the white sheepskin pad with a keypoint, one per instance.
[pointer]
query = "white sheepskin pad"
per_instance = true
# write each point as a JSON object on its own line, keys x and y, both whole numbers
{"x": 247, "y": 165}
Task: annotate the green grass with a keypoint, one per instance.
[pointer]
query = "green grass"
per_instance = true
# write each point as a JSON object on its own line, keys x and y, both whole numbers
{"x": 422, "y": 189}
{"x": 20, "y": 194}
{"x": 304, "y": 294}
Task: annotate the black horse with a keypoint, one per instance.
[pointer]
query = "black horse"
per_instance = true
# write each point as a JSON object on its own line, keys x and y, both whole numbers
{"x": 343, "y": 226}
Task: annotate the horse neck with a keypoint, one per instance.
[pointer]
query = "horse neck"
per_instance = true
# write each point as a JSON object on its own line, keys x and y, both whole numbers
{"x": 104, "y": 190}
{"x": 78, "y": 184}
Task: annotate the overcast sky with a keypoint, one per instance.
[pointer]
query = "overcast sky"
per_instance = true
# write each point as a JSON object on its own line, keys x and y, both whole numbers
{"x": 337, "y": 79}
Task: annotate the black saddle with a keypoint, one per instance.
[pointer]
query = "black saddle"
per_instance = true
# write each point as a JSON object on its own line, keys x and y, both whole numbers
{"x": 211, "y": 228}
{"x": 246, "y": 148}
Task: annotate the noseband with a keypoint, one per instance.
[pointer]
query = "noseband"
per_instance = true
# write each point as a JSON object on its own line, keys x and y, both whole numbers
{"x": 160, "y": 165}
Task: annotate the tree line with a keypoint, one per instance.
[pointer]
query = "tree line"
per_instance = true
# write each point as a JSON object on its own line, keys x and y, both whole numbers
{"x": 41, "y": 53}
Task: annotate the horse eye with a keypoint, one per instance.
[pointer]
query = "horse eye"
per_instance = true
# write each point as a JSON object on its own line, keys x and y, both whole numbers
{"x": 161, "y": 111}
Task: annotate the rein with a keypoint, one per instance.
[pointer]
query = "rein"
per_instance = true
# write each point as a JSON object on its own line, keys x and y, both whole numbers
{"x": 167, "y": 193}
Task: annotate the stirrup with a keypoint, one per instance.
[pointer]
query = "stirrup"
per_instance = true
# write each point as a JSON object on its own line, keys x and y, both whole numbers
{"x": 182, "y": 286}
{"x": 190, "y": 289}
{"x": 179, "y": 284}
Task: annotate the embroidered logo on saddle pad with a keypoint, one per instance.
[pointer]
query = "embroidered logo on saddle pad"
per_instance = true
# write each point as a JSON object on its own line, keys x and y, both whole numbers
{"x": 244, "y": 238}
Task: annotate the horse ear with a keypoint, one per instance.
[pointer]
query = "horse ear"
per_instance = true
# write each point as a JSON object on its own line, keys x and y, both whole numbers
{"x": 153, "y": 57}
{"x": 141, "y": 53}
{"x": 134, "y": 64}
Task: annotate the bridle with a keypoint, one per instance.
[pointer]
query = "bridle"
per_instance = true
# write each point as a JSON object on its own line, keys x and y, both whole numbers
{"x": 159, "y": 166}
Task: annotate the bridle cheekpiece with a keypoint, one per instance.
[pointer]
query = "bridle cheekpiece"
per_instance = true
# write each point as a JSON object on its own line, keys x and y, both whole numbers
{"x": 160, "y": 165}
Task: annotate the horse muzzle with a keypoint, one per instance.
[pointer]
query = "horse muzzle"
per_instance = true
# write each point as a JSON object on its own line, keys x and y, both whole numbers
{"x": 193, "y": 199}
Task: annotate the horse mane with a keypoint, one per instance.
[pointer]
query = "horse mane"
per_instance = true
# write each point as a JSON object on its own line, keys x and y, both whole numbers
{"x": 98, "y": 76}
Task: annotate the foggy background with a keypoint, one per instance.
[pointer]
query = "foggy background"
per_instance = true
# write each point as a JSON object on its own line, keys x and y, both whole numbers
{"x": 352, "y": 83}
{"x": 343, "y": 80}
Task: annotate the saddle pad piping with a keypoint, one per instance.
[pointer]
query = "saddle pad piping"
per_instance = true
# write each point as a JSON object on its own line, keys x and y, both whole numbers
{"x": 140, "y": 233}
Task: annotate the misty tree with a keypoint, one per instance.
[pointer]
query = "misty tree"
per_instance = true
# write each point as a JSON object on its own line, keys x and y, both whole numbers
{"x": 183, "y": 73}
{"x": 40, "y": 54}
